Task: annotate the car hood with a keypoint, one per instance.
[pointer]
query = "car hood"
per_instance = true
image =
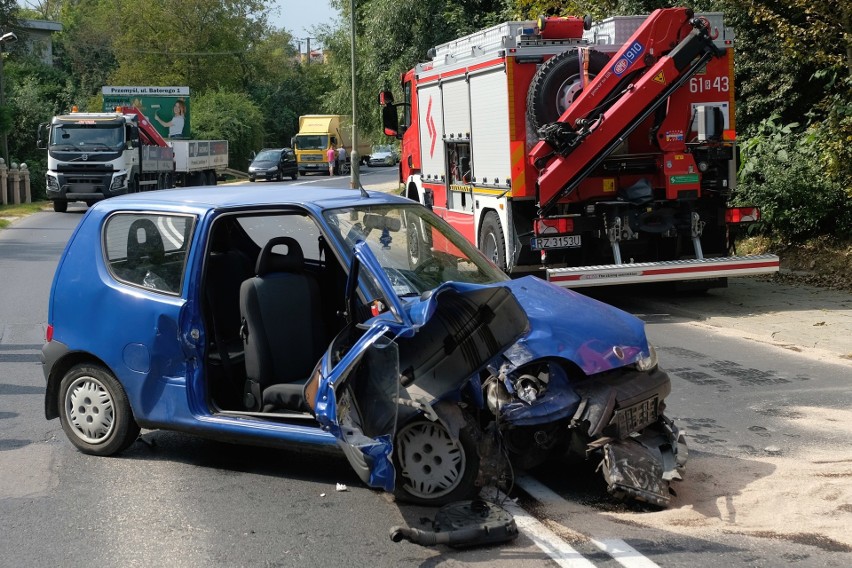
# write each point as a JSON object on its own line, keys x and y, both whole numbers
{"x": 562, "y": 323}
{"x": 264, "y": 164}
{"x": 381, "y": 155}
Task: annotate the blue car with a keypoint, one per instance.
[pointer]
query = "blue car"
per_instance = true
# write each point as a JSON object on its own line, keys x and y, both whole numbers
{"x": 342, "y": 319}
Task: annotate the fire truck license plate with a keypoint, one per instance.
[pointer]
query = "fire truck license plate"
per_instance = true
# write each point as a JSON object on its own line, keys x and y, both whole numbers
{"x": 564, "y": 241}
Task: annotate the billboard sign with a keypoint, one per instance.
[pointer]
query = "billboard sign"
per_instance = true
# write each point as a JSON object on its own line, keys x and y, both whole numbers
{"x": 166, "y": 107}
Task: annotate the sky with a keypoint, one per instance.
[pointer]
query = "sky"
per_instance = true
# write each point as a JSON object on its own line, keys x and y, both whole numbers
{"x": 298, "y": 16}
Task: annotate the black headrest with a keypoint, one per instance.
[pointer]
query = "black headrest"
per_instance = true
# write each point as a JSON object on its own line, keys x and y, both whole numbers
{"x": 144, "y": 242}
{"x": 292, "y": 261}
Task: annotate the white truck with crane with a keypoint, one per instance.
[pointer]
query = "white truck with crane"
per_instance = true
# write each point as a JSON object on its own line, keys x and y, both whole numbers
{"x": 589, "y": 154}
{"x": 93, "y": 156}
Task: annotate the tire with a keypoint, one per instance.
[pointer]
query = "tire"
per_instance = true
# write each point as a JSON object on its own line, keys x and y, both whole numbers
{"x": 295, "y": 175}
{"x": 492, "y": 243}
{"x": 94, "y": 411}
{"x": 211, "y": 177}
{"x": 556, "y": 84}
{"x": 168, "y": 182}
{"x": 431, "y": 468}
{"x": 251, "y": 179}
{"x": 91, "y": 203}
{"x": 279, "y": 176}
{"x": 419, "y": 250}
{"x": 60, "y": 205}
{"x": 133, "y": 186}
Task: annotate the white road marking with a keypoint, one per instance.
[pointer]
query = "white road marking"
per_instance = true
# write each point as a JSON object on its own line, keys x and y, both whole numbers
{"x": 545, "y": 539}
{"x": 623, "y": 553}
{"x": 620, "y": 551}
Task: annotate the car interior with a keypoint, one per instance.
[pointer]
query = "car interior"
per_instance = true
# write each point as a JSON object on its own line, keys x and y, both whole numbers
{"x": 273, "y": 305}
{"x": 275, "y": 299}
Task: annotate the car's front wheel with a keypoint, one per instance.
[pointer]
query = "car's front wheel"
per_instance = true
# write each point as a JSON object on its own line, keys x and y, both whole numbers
{"x": 94, "y": 411}
{"x": 433, "y": 468}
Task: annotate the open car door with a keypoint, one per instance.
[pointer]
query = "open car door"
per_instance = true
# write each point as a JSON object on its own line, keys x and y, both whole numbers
{"x": 395, "y": 366}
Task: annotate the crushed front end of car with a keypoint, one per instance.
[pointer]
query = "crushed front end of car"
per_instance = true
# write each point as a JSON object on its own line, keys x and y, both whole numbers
{"x": 588, "y": 387}
{"x": 494, "y": 375}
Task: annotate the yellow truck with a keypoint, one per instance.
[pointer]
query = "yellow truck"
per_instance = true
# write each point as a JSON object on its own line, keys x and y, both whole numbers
{"x": 317, "y": 132}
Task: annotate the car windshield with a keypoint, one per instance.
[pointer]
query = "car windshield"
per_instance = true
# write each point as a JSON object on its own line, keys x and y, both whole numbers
{"x": 417, "y": 249}
{"x": 267, "y": 156}
{"x": 382, "y": 149}
{"x": 88, "y": 137}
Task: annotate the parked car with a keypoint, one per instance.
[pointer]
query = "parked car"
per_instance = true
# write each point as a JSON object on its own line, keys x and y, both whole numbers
{"x": 383, "y": 156}
{"x": 333, "y": 318}
{"x": 274, "y": 164}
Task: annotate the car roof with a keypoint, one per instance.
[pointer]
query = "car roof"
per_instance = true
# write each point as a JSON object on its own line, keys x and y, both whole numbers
{"x": 200, "y": 200}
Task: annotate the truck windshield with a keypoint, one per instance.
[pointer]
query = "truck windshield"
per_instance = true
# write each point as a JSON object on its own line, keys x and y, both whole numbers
{"x": 87, "y": 137}
{"x": 311, "y": 142}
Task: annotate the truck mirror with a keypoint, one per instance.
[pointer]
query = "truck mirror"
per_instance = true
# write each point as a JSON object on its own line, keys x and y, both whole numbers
{"x": 385, "y": 98}
{"x": 132, "y": 136}
{"x": 390, "y": 120}
{"x": 41, "y": 142}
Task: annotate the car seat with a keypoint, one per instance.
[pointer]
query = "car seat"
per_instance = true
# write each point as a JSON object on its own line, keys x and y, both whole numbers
{"x": 227, "y": 269}
{"x": 282, "y": 328}
{"x": 145, "y": 254}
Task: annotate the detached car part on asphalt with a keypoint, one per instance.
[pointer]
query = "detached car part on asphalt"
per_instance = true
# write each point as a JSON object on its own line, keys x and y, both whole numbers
{"x": 331, "y": 318}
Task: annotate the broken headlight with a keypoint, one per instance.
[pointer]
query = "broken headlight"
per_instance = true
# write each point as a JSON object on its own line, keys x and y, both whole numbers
{"x": 648, "y": 363}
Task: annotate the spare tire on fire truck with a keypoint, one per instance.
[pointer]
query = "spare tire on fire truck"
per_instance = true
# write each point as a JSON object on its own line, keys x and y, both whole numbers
{"x": 557, "y": 83}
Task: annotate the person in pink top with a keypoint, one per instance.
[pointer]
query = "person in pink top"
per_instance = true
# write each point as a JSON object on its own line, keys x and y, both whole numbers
{"x": 331, "y": 154}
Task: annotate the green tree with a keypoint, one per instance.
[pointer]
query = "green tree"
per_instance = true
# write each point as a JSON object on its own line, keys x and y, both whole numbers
{"x": 391, "y": 37}
{"x": 84, "y": 48}
{"x": 197, "y": 43}
{"x": 226, "y": 115}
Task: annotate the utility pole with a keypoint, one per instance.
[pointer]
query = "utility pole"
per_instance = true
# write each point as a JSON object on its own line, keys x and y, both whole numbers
{"x": 355, "y": 182}
{"x": 8, "y": 37}
{"x": 307, "y": 41}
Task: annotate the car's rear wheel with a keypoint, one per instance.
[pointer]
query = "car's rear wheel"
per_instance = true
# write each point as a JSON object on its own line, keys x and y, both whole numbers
{"x": 432, "y": 467}
{"x": 295, "y": 175}
{"x": 94, "y": 411}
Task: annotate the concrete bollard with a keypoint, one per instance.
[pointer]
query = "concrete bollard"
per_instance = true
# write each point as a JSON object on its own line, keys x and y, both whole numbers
{"x": 25, "y": 184}
{"x": 14, "y": 187}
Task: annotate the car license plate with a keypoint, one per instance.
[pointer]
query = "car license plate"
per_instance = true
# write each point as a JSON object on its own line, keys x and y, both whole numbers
{"x": 563, "y": 241}
{"x": 636, "y": 417}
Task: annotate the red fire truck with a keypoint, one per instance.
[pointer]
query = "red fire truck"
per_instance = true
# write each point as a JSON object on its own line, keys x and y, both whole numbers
{"x": 592, "y": 154}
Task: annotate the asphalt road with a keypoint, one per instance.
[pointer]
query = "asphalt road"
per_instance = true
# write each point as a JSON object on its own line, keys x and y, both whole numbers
{"x": 744, "y": 370}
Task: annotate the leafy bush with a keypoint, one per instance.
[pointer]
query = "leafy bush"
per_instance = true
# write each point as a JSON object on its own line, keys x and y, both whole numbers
{"x": 784, "y": 173}
{"x": 223, "y": 115}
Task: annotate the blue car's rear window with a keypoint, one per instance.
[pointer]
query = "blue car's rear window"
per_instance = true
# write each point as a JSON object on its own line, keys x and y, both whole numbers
{"x": 148, "y": 249}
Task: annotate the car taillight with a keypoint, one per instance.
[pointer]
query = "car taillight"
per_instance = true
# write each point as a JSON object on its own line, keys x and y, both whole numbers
{"x": 742, "y": 215}
{"x": 48, "y": 334}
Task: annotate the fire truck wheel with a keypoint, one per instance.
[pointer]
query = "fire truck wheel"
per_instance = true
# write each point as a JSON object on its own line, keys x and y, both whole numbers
{"x": 491, "y": 240}
{"x": 557, "y": 83}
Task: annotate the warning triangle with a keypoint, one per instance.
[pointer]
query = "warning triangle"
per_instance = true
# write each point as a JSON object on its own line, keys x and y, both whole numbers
{"x": 660, "y": 78}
